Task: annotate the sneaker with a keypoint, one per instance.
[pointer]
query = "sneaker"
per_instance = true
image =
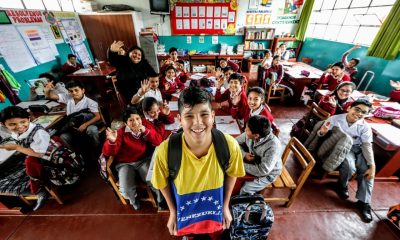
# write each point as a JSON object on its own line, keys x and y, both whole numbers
{"x": 343, "y": 192}
{"x": 365, "y": 210}
{"x": 43, "y": 195}
{"x": 136, "y": 204}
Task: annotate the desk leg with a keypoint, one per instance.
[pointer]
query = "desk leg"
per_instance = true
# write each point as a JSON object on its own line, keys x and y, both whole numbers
{"x": 391, "y": 166}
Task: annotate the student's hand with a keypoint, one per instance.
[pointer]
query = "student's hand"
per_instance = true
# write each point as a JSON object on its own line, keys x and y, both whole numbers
{"x": 218, "y": 73}
{"x": 49, "y": 86}
{"x": 324, "y": 128}
{"x": 249, "y": 157}
{"x": 82, "y": 127}
{"x": 111, "y": 135}
{"x": 165, "y": 108}
{"x": 178, "y": 90}
{"x": 9, "y": 146}
{"x": 144, "y": 86}
{"x": 220, "y": 82}
{"x": 227, "y": 218}
{"x": 171, "y": 224}
{"x": 370, "y": 173}
{"x": 166, "y": 86}
{"x": 116, "y": 46}
{"x": 332, "y": 101}
{"x": 395, "y": 84}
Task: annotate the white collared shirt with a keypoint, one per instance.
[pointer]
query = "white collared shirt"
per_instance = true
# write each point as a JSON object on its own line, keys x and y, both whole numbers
{"x": 359, "y": 131}
{"x": 153, "y": 93}
{"x": 257, "y": 112}
{"x": 72, "y": 107}
{"x": 135, "y": 135}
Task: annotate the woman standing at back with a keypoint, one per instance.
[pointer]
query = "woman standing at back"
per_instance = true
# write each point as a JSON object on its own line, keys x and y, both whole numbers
{"x": 131, "y": 68}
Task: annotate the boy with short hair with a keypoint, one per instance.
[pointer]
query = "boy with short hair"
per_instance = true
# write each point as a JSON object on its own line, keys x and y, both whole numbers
{"x": 198, "y": 198}
{"x": 148, "y": 88}
{"x": 76, "y": 101}
{"x": 360, "y": 159}
{"x": 71, "y": 65}
{"x": 261, "y": 150}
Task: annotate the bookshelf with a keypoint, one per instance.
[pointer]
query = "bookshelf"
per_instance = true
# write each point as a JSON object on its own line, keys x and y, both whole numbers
{"x": 258, "y": 39}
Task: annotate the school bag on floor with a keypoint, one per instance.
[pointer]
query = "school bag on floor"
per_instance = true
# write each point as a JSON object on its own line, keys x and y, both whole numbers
{"x": 252, "y": 218}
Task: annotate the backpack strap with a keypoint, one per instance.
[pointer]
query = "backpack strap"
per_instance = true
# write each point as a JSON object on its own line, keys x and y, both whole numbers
{"x": 174, "y": 154}
{"x": 222, "y": 151}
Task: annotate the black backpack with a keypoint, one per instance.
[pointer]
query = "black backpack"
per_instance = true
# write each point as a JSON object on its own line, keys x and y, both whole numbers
{"x": 175, "y": 151}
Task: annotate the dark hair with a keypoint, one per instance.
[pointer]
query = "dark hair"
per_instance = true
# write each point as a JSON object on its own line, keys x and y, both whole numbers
{"x": 74, "y": 83}
{"x": 258, "y": 90}
{"x": 128, "y": 111}
{"x": 357, "y": 60}
{"x": 282, "y": 44}
{"x": 147, "y": 103}
{"x": 153, "y": 75}
{"x": 338, "y": 64}
{"x": 173, "y": 49}
{"x": 180, "y": 61}
{"x": 71, "y": 55}
{"x": 205, "y": 82}
{"x": 267, "y": 51}
{"x": 260, "y": 125}
{"x": 192, "y": 96}
{"x": 343, "y": 84}
{"x": 13, "y": 112}
{"x": 361, "y": 101}
{"x": 136, "y": 48}
{"x": 236, "y": 76}
{"x": 226, "y": 69}
{"x": 47, "y": 75}
{"x": 276, "y": 57}
{"x": 169, "y": 68}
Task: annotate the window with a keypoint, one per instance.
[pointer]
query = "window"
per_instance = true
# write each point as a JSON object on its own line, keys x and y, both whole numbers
{"x": 349, "y": 21}
{"x": 11, "y": 4}
{"x": 52, "y": 5}
{"x": 67, "y": 5}
{"x": 34, "y": 4}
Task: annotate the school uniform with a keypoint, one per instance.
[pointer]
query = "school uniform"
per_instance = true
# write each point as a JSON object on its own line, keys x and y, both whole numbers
{"x": 332, "y": 81}
{"x": 159, "y": 124}
{"x": 237, "y": 111}
{"x": 68, "y": 68}
{"x": 174, "y": 85}
{"x": 152, "y": 93}
{"x": 395, "y": 95}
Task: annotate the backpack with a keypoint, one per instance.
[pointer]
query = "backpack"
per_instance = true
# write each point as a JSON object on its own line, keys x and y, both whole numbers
{"x": 252, "y": 218}
{"x": 175, "y": 151}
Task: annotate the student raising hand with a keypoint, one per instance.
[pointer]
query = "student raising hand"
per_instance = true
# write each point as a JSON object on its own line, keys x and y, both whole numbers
{"x": 144, "y": 86}
{"x": 395, "y": 84}
{"x": 116, "y": 46}
{"x": 324, "y": 128}
{"x": 165, "y": 108}
{"x": 111, "y": 135}
{"x": 332, "y": 101}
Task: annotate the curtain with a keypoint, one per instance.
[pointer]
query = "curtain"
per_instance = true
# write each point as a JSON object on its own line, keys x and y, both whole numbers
{"x": 387, "y": 42}
{"x": 304, "y": 18}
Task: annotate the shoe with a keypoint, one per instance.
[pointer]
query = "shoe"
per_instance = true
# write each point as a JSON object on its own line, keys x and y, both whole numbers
{"x": 365, "y": 210}
{"x": 343, "y": 192}
{"x": 136, "y": 204}
{"x": 42, "y": 199}
{"x": 162, "y": 206}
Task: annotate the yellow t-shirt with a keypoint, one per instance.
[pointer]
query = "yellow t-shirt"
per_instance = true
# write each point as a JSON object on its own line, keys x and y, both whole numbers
{"x": 198, "y": 187}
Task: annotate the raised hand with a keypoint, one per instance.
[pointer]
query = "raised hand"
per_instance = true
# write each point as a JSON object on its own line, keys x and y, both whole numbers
{"x": 220, "y": 82}
{"x": 324, "y": 128}
{"x": 144, "y": 86}
{"x": 166, "y": 86}
{"x": 395, "y": 84}
{"x": 49, "y": 86}
{"x": 165, "y": 108}
{"x": 116, "y": 46}
{"x": 332, "y": 101}
{"x": 111, "y": 135}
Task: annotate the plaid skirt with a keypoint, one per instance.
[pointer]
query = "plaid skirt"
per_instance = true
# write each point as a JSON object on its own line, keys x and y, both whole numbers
{"x": 13, "y": 178}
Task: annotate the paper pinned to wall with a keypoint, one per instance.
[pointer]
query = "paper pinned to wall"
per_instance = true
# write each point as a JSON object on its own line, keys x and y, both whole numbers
{"x": 50, "y": 39}
{"x": 83, "y": 54}
{"x": 13, "y": 48}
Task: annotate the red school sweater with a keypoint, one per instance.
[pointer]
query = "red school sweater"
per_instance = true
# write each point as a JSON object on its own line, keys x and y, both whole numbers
{"x": 332, "y": 82}
{"x": 237, "y": 111}
{"x": 159, "y": 124}
{"x": 173, "y": 86}
{"x": 127, "y": 148}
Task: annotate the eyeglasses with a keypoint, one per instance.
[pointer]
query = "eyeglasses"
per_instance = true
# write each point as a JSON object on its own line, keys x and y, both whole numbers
{"x": 345, "y": 91}
{"x": 360, "y": 111}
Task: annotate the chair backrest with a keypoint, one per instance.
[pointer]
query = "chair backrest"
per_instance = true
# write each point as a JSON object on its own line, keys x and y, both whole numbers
{"x": 315, "y": 115}
{"x": 120, "y": 99}
{"x": 302, "y": 155}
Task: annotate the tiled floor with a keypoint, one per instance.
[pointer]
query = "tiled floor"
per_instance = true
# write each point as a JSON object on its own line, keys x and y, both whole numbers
{"x": 91, "y": 210}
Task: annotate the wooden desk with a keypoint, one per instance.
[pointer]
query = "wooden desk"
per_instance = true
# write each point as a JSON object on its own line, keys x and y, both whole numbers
{"x": 97, "y": 82}
{"x": 293, "y": 74}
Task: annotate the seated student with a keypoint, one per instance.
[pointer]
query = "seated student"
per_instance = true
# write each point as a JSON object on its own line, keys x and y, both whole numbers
{"x": 350, "y": 66}
{"x": 395, "y": 94}
{"x": 180, "y": 71}
{"x": 155, "y": 117}
{"x": 255, "y": 106}
{"x": 226, "y": 62}
{"x": 267, "y": 61}
{"x": 333, "y": 76}
{"x": 30, "y": 139}
{"x": 170, "y": 84}
{"x": 148, "y": 88}
{"x": 200, "y": 176}
{"x": 131, "y": 145}
{"x": 76, "y": 101}
{"x": 360, "y": 159}
{"x": 235, "y": 96}
{"x": 261, "y": 151}
{"x": 59, "y": 87}
{"x": 274, "y": 72}
{"x": 339, "y": 100}
{"x": 224, "y": 76}
{"x": 71, "y": 65}
{"x": 173, "y": 57}
{"x": 282, "y": 52}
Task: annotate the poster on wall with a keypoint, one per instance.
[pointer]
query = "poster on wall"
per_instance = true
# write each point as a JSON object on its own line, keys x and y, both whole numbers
{"x": 202, "y": 17}
{"x": 14, "y": 51}
{"x": 37, "y": 43}
{"x": 83, "y": 54}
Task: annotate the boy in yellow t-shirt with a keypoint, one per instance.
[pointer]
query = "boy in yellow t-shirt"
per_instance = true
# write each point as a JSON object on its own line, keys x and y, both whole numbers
{"x": 198, "y": 198}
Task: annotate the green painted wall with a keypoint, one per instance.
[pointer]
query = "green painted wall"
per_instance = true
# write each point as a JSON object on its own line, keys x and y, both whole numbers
{"x": 180, "y": 42}
{"x": 31, "y": 73}
{"x": 324, "y": 52}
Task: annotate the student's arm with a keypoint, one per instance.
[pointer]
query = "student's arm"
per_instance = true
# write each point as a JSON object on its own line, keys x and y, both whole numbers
{"x": 151, "y": 135}
{"x": 113, "y": 142}
{"x": 238, "y": 110}
{"x": 326, "y": 105}
{"x": 279, "y": 73}
{"x": 347, "y": 53}
{"x": 269, "y": 159}
{"x": 171, "y": 225}
{"x": 49, "y": 93}
{"x": 241, "y": 139}
{"x": 21, "y": 149}
{"x": 222, "y": 97}
{"x": 95, "y": 118}
{"x": 180, "y": 85}
{"x": 233, "y": 65}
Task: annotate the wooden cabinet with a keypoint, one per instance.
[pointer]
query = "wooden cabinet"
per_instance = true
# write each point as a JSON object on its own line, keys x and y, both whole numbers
{"x": 258, "y": 39}
{"x": 291, "y": 44}
{"x": 102, "y": 29}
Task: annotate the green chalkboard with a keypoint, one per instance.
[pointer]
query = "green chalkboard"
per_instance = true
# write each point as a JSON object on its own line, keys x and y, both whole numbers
{"x": 4, "y": 18}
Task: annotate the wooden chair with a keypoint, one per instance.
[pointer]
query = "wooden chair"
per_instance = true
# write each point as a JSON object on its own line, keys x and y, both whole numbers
{"x": 315, "y": 115}
{"x": 120, "y": 99}
{"x": 285, "y": 180}
{"x": 115, "y": 185}
{"x": 273, "y": 91}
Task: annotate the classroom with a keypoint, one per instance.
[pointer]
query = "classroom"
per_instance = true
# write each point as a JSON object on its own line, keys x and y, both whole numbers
{"x": 200, "y": 119}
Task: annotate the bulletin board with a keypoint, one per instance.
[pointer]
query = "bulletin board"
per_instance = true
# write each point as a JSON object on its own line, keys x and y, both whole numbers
{"x": 203, "y": 18}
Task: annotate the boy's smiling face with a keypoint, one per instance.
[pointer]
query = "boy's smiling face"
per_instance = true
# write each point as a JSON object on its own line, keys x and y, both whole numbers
{"x": 17, "y": 125}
